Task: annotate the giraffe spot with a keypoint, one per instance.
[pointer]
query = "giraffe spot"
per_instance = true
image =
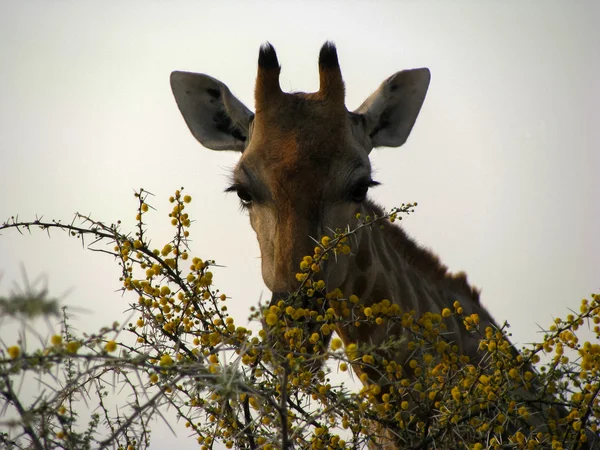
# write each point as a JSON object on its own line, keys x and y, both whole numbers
{"x": 385, "y": 260}
{"x": 360, "y": 285}
{"x": 379, "y": 290}
{"x": 363, "y": 259}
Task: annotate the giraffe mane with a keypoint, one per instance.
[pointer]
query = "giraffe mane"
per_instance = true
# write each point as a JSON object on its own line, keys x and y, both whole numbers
{"x": 426, "y": 262}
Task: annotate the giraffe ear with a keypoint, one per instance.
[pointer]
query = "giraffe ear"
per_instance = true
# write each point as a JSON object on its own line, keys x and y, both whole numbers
{"x": 216, "y": 118}
{"x": 391, "y": 111}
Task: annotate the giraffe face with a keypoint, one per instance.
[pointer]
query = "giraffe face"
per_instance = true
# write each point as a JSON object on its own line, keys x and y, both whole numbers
{"x": 304, "y": 168}
{"x": 299, "y": 178}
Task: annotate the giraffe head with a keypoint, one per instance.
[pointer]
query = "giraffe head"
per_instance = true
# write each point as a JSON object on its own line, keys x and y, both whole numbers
{"x": 304, "y": 167}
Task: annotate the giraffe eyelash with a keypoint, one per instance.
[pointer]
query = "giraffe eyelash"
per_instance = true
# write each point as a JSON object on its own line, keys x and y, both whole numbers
{"x": 245, "y": 196}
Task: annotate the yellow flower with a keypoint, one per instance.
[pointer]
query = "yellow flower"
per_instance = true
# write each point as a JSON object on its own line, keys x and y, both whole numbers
{"x": 271, "y": 319}
{"x": 456, "y": 394}
{"x": 56, "y": 339}
{"x": 153, "y": 378}
{"x": 446, "y": 312}
{"x": 72, "y": 346}
{"x": 14, "y": 351}
{"x": 368, "y": 312}
{"x": 166, "y": 360}
{"x": 187, "y": 199}
{"x": 110, "y": 346}
{"x": 325, "y": 241}
{"x": 520, "y": 437}
{"x": 336, "y": 344}
{"x": 368, "y": 359}
{"x": 522, "y": 411}
{"x": 351, "y": 351}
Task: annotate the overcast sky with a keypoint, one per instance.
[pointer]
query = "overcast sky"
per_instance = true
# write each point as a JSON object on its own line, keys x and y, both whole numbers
{"x": 503, "y": 159}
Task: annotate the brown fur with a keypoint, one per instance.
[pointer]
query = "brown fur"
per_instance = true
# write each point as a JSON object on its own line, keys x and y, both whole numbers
{"x": 426, "y": 262}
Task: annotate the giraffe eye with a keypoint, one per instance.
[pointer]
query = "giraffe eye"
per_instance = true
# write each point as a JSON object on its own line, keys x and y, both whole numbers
{"x": 359, "y": 192}
{"x": 243, "y": 193}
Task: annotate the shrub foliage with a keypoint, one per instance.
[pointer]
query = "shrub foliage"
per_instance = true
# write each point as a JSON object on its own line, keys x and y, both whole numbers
{"x": 235, "y": 387}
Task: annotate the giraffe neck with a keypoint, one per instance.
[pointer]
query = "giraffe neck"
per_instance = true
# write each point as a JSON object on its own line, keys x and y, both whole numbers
{"x": 390, "y": 265}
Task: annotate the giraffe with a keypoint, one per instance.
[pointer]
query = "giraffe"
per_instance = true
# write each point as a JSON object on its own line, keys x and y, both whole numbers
{"x": 304, "y": 169}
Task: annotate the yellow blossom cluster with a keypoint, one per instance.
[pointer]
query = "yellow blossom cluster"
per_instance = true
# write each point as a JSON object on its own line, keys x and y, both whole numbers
{"x": 273, "y": 388}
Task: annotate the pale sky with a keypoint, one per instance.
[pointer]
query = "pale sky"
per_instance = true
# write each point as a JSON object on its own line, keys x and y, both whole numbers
{"x": 503, "y": 159}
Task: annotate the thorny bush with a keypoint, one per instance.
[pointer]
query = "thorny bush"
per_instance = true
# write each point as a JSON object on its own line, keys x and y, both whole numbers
{"x": 264, "y": 390}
